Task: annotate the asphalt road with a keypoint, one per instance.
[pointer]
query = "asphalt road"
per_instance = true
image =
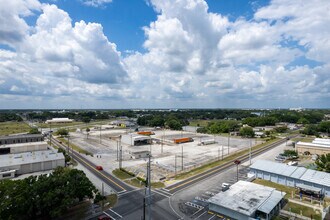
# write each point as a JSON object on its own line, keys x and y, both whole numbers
{"x": 106, "y": 177}
{"x": 130, "y": 207}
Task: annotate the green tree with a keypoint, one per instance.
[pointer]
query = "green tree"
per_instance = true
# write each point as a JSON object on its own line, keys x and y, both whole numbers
{"x": 246, "y": 132}
{"x": 34, "y": 131}
{"x": 174, "y": 124}
{"x": 324, "y": 126}
{"x": 62, "y": 132}
{"x": 303, "y": 121}
{"x": 86, "y": 119}
{"x": 310, "y": 130}
{"x": 323, "y": 163}
{"x": 44, "y": 197}
{"x": 66, "y": 156}
{"x": 290, "y": 153}
{"x": 281, "y": 129}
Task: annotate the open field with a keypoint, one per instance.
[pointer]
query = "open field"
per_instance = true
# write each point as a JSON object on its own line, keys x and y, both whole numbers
{"x": 7, "y": 128}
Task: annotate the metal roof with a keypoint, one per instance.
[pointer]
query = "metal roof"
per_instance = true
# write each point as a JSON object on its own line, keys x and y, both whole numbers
{"x": 246, "y": 198}
{"x": 272, "y": 201}
{"x": 10, "y": 160}
{"x": 307, "y": 175}
{"x": 21, "y": 136}
{"x": 323, "y": 145}
{"x": 273, "y": 167}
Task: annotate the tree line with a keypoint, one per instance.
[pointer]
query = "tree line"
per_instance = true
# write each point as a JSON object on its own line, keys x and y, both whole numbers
{"x": 44, "y": 196}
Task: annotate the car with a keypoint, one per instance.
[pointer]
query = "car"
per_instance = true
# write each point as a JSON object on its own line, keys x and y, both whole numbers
{"x": 99, "y": 167}
{"x": 225, "y": 186}
{"x": 104, "y": 217}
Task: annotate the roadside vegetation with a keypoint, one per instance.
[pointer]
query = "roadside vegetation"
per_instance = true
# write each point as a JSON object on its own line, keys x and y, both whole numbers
{"x": 7, "y": 128}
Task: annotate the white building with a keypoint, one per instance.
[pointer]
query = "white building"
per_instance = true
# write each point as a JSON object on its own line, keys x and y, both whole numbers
{"x": 23, "y": 147}
{"x": 59, "y": 120}
{"x": 246, "y": 200}
{"x": 29, "y": 162}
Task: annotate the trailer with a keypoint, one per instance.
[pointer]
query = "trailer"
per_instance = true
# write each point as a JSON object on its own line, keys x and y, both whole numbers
{"x": 145, "y": 133}
{"x": 208, "y": 141}
{"x": 183, "y": 140}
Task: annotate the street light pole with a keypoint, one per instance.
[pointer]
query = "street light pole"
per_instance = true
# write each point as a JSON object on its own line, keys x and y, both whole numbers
{"x": 250, "y": 154}
{"x": 228, "y": 142}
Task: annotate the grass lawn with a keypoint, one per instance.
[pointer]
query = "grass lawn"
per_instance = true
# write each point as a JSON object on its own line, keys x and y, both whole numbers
{"x": 7, "y": 128}
{"x": 121, "y": 174}
{"x": 157, "y": 185}
{"x": 75, "y": 147}
{"x": 304, "y": 139}
{"x": 202, "y": 123}
{"x": 288, "y": 190}
{"x": 306, "y": 211}
{"x": 135, "y": 182}
{"x": 231, "y": 157}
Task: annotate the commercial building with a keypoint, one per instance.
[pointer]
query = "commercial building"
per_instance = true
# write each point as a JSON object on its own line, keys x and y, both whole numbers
{"x": 23, "y": 147}
{"x": 25, "y": 138}
{"x": 317, "y": 146}
{"x": 29, "y": 162}
{"x": 291, "y": 175}
{"x": 246, "y": 200}
{"x": 59, "y": 120}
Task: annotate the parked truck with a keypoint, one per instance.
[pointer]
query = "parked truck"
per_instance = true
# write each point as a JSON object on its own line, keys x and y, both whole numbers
{"x": 145, "y": 133}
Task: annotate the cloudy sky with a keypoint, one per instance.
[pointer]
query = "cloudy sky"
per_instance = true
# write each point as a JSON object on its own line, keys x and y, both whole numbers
{"x": 164, "y": 54}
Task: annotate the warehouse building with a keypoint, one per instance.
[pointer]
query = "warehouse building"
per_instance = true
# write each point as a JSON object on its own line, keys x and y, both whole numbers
{"x": 317, "y": 146}
{"x": 23, "y": 147}
{"x": 246, "y": 200}
{"x": 59, "y": 120}
{"x": 291, "y": 175}
{"x": 29, "y": 162}
{"x": 25, "y": 138}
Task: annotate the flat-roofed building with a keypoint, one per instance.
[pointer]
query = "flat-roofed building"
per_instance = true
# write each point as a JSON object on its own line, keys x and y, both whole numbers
{"x": 59, "y": 120}
{"x": 29, "y": 162}
{"x": 246, "y": 200}
{"x": 25, "y": 138}
{"x": 291, "y": 175}
{"x": 23, "y": 147}
{"x": 318, "y": 146}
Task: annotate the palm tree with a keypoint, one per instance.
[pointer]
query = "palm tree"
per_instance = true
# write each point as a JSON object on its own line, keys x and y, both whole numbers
{"x": 323, "y": 163}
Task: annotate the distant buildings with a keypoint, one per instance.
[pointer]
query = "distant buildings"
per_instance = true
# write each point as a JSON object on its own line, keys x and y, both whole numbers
{"x": 246, "y": 200}
{"x": 291, "y": 175}
{"x": 317, "y": 146}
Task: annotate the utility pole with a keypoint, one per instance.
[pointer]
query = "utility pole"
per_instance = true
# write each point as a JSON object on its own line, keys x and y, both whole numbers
{"x": 182, "y": 157}
{"x": 237, "y": 162}
{"x": 175, "y": 163}
{"x": 150, "y": 144}
{"x": 228, "y": 142}
{"x": 102, "y": 196}
{"x": 162, "y": 145}
{"x": 250, "y": 156}
{"x": 100, "y": 133}
{"x": 50, "y": 133}
{"x": 117, "y": 149}
{"x": 68, "y": 144}
{"x": 219, "y": 153}
{"x": 120, "y": 156}
{"x": 147, "y": 195}
{"x": 222, "y": 152}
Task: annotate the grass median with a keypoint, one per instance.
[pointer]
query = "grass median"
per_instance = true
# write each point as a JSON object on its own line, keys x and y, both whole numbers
{"x": 226, "y": 159}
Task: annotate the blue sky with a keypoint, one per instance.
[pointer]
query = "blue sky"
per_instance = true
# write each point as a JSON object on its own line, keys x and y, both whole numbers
{"x": 164, "y": 53}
